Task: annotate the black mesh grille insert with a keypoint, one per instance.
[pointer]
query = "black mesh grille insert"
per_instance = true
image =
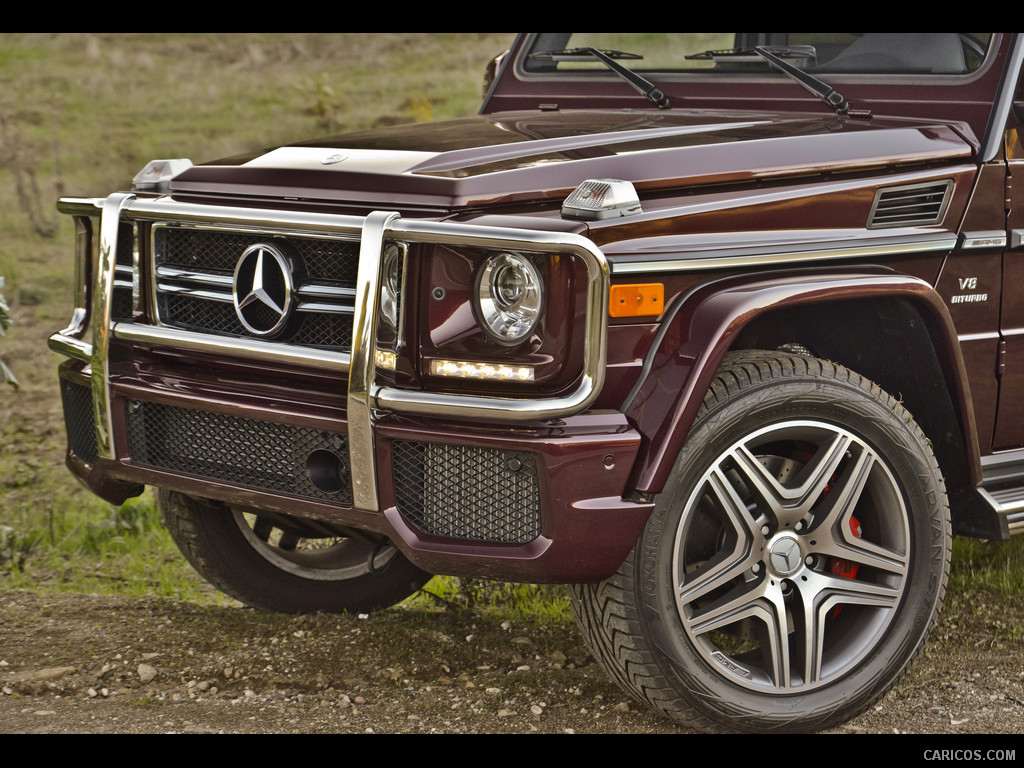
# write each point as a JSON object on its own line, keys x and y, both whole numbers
{"x": 308, "y": 329}
{"x": 327, "y": 261}
{"x": 240, "y": 451}
{"x": 80, "y": 421}
{"x": 459, "y": 492}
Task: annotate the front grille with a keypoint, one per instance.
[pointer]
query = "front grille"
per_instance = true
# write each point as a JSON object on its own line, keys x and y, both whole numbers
{"x": 475, "y": 494}
{"x": 252, "y": 453}
{"x": 80, "y": 421}
{"x": 194, "y": 278}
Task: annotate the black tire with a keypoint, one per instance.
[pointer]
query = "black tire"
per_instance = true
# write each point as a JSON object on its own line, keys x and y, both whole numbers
{"x": 281, "y": 565}
{"x": 793, "y": 566}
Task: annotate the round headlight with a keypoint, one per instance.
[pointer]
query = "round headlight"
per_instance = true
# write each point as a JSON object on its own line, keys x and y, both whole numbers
{"x": 508, "y": 297}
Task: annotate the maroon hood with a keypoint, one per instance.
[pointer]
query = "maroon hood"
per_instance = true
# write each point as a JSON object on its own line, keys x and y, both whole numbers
{"x": 516, "y": 158}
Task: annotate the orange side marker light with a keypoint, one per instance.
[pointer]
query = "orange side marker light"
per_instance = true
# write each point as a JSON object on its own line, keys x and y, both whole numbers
{"x": 640, "y": 300}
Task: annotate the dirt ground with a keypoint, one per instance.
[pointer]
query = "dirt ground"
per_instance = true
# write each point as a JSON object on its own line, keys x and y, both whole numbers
{"x": 90, "y": 664}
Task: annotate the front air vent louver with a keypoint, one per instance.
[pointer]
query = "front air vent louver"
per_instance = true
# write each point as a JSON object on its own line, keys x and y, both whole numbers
{"x": 910, "y": 205}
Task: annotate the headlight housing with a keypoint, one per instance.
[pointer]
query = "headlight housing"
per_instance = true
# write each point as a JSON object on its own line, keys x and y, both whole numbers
{"x": 508, "y": 298}
{"x": 392, "y": 279}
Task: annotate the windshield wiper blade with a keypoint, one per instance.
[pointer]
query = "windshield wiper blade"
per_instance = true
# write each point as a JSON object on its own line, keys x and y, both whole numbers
{"x": 608, "y": 58}
{"x": 819, "y": 88}
{"x": 747, "y": 54}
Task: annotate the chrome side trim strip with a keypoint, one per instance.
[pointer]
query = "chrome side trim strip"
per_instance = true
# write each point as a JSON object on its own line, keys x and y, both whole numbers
{"x": 705, "y": 260}
{"x": 102, "y": 300}
{"x": 993, "y": 239}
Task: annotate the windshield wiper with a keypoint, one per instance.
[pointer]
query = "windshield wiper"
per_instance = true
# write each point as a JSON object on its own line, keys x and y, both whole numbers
{"x": 819, "y": 88}
{"x": 640, "y": 83}
{"x": 743, "y": 55}
{"x": 776, "y": 57}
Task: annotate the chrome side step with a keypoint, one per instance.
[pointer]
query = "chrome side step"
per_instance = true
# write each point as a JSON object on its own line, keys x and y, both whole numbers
{"x": 1008, "y": 502}
{"x": 1003, "y": 488}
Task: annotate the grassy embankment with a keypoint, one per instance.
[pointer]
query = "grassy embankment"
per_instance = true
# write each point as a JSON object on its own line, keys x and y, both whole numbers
{"x": 80, "y": 114}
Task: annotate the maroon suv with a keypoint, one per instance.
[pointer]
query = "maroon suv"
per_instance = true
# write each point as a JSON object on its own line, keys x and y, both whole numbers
{"x": 725, "y": 330}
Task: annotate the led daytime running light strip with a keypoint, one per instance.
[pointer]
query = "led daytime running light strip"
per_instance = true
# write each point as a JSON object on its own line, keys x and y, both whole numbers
{"x": 483, "y": 371}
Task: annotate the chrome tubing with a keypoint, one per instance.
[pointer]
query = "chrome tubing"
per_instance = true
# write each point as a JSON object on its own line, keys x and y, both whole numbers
{"x": 362, "y": 372}
{"x": 364, "y": 396}
{"x": 102, "y": 301}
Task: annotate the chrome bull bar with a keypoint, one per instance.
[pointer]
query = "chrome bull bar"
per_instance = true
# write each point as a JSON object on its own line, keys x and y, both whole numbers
{"x": 89, "y": 336}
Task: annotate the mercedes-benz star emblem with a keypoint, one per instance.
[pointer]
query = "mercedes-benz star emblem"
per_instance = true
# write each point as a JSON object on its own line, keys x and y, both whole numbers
{"x": 262, "y": 290}
{"x": 785, "y": 556}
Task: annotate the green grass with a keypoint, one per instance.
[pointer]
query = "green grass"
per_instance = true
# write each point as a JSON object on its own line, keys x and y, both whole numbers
{"x": 531, "y": 604}
{"x": 97, "y": 548}
{"x": 996, "y": 567}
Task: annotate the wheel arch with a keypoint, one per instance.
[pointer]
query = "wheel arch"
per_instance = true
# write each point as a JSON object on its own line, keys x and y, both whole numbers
{"x": 837, "y": 315}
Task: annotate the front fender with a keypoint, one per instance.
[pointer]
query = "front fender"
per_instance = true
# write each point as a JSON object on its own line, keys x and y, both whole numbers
{"x": 704, "y": 323}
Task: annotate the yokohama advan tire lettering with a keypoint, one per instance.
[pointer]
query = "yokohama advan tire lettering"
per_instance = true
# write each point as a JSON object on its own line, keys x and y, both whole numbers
{"x": 795, "y": 562}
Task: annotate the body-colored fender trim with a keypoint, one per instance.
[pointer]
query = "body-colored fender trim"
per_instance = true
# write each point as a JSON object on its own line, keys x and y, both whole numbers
{"x": 703, "y": 324}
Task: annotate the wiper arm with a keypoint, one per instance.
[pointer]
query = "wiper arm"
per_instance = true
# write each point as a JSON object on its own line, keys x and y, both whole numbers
{"x": 745, "y": 55}
{"x": 819, "y": 88}
{"x": 640, "y": 83}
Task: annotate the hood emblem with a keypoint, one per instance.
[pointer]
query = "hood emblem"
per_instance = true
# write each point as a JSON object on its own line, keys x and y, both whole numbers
{"x": 337, "y": 157}
{"x": 262, "y": 291}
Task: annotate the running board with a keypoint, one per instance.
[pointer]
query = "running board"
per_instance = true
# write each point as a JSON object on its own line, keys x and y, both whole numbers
{"x": 1008, "y": 502}
{"x": 1003, "y": 488}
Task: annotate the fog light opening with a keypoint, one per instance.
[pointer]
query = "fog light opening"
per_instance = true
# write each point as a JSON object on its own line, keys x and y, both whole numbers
{"x": 325, "y": 470}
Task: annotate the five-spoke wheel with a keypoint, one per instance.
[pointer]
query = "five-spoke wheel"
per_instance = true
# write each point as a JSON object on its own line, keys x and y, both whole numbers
{"x": 794, "y": 563}
{"x": 792, "y": 557}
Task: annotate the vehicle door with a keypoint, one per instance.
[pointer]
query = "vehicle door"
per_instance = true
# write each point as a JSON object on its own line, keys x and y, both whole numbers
{"x": 1009, "y": 432}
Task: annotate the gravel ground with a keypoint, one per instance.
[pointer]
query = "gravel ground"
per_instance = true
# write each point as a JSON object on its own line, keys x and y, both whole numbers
{"x": 91, "y": 664}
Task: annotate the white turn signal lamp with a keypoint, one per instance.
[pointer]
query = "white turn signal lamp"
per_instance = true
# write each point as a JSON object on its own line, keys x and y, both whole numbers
{"x": 597, "y": 199}
{"x": 157, "y": 175}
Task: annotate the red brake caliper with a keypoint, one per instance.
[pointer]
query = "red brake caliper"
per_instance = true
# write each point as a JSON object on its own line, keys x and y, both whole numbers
{"x": 845, "y": 568}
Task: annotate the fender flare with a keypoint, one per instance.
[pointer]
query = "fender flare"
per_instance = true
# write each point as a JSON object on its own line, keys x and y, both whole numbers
{"x": 701, "y": 325}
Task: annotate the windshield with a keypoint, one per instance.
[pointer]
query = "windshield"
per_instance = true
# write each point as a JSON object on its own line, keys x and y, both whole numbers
{"x": 923, "y": 53}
